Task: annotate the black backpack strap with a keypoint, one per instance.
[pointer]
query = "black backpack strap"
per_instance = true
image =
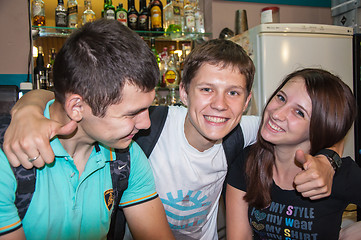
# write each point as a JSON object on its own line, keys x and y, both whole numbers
{"x": 233, "y": 144}
{"x": 147, "y": 139}
{"x": 25, "y": 178}
{"x": 4, "y": 123}
{"x": 120, "y": 171}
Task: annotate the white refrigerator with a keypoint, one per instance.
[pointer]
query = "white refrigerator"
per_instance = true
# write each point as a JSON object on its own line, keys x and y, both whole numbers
{"x": 279, "y": 49}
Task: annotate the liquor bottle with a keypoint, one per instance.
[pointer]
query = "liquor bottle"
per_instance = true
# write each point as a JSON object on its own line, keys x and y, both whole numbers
{"x": 172, "y": 20}
{"x": 189, "y": 17}
{"x": 109, "y": 10}
{"x": 174, "y": 58}
{"x": 143, "y": 18}
{"x": 163, "y": 65}
{"x": 61, "y": 19}
{"x": 199, "y": 18}
{"x": 182, "y": 59}
{"x": 72, "y": 7}
{"x": 88, "y": 14}
{"x": 171, "y": 76}
{"x": 132, "y": 15}
{"x": 121, "y": 14}
{"x": 157, "y": 98}
{"x": 40, "y": 73}
{"x": 49, "y": 68}
{"x": 181, "y": 8}
{"x": 156, "y": 16}
{"x": 38, "y": 12}
{"x": 168, "y": 14}
{"x": 154, "y": 50}
{"x": 102, "y": 13}
{"x": 177, "y": 11}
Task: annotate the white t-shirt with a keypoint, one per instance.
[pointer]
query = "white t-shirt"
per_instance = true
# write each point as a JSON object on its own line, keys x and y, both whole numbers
{"x": 190, "y": 182}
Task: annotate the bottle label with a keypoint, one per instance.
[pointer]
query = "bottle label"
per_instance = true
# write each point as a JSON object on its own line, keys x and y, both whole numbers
{"x": 142, "y": 20}
{"x": 60, "y": 19}
{"x": 122, "y": 17}
{"x": 88, "y": 18}
{"x": 73, "y": 16}
{"x": 176, "y": 10}
{"x": 190, "y": 21}
{"x": 37, "y": 10}
{"x": 199, "y": 22}
{"x": 109, "y": 14}
{"x": 156, "y": 17}
{"x": 170, "y": 77}
{"x": 133, "y": 21}
{"x": 73, "y": 10}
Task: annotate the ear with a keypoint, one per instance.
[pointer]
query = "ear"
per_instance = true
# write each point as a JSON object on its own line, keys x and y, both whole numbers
{"x": 247, "y": 101}
{"x": 183, "y": 95}
{"x": 74, "y": 107}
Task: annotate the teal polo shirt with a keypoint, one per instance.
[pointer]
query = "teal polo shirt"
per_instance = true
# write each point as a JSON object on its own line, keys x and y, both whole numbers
{"x": 66, "y": 205}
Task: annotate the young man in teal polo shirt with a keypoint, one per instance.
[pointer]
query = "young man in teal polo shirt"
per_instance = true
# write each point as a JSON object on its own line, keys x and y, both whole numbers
{"x": 104, "y": 80}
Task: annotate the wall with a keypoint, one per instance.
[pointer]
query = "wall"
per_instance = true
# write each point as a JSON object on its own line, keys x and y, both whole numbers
{"x": 14, "y": 42}
{"x": 223, "y": 14}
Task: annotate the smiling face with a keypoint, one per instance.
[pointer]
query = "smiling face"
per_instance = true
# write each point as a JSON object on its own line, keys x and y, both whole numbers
{"x": 122, "y": 120}
{"x": 287, "y": 116}
{"x": 216, "y": 99}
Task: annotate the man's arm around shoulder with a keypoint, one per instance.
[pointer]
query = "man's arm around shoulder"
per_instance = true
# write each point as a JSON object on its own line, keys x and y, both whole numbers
{"x": 148, "y": 221}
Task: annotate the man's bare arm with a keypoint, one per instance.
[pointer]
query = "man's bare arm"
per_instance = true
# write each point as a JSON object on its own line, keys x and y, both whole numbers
{"x": 29, "y": 132}
{"x": 148, "y": 221}
{"x": 18, "y": 234}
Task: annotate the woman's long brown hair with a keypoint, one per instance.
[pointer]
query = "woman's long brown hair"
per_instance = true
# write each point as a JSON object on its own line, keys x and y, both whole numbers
{"x": 333, "y": 112}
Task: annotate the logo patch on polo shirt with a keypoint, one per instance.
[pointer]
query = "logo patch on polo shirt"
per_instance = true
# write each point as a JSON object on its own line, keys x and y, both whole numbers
{"x": 109, "y": 198}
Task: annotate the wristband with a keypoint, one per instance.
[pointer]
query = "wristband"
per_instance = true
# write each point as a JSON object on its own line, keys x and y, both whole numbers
{"x": 332, "y": 157}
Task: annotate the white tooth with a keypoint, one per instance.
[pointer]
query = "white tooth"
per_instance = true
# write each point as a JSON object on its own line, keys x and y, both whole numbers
{"x": 274, "y": 126}
{"x": 215, "y": 119}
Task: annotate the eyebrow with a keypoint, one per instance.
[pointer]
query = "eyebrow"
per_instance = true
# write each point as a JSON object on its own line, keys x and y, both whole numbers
{"x": 203, "y": 84}
{"x": 135, "y": 112}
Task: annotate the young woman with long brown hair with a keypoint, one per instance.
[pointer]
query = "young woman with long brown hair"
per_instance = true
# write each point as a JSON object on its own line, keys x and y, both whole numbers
{"x": 310, "y": 111}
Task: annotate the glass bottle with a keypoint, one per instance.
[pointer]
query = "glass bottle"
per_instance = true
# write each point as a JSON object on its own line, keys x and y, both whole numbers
{"x": 189, "y": 17}
{"x": 157, "y": 98}
{"x": 168, "y": 14}
{"x": 102, "y": 12}
{"x": 72, "y": 7}
{"x": 88, "y": 14}
{"x": 172, "y": 20}
{"x": 49, "y": 68}
{"x": 61, "y": 15}
{"x": 156, "y": 16}
{"x": 121, "y": 14}
{"x": 109, "y": 10}
{"x": 154, "y": 50}
{"x": 181, "y": 8}
{"x": 38, "y": 13}
{"x": 132, "y": 15}
{"x": 40, "y": 73}
{"x": 171, "y": 77}
{"x": 199, "y": 18}
{"x": 143, "y": 18}
{"x": 163, "y": 66}
{"x": 177, "y": 10}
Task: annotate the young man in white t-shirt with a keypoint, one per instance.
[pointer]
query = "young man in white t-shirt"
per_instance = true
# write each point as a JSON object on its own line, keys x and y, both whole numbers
{"x": 188, "y": 160}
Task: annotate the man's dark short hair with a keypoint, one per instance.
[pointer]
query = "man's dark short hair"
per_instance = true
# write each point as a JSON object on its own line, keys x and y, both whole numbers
{"x": 98, "y": 59}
